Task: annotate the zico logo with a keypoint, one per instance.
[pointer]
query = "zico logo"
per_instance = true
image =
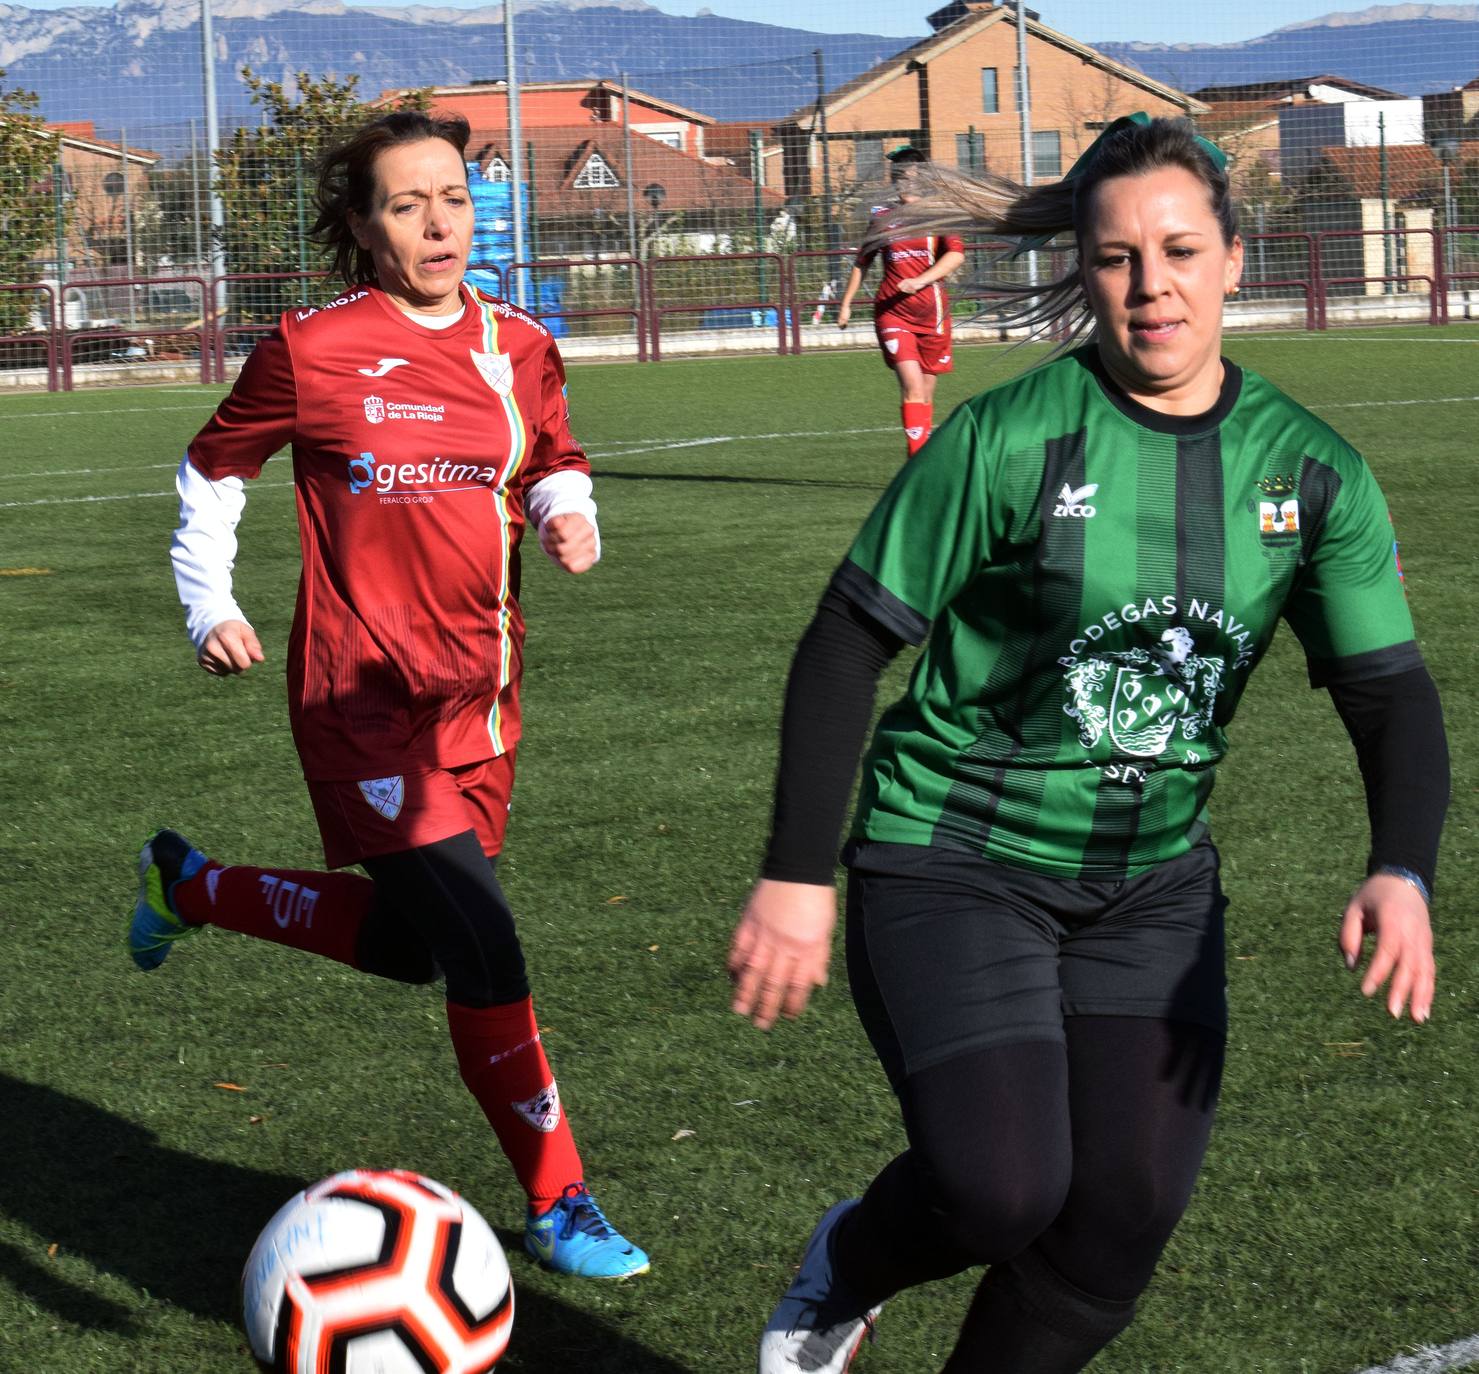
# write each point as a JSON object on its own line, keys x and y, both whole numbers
{"x": 1072, "y": 502}
{"x": 416, "y": 479}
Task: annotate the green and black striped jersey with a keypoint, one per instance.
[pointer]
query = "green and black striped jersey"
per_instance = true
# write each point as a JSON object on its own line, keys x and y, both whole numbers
{"x": 1097, "y": 581}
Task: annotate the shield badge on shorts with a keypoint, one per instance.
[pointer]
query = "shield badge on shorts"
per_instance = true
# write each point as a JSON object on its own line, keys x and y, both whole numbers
{"x": 542, "y": 1111}
{"x": 497, "y": 370}
{"x": 385, "y": 795}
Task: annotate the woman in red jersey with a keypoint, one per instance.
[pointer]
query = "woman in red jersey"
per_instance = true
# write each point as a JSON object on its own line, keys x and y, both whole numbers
{"x": 911, "y": 312}
{"x": 428, "y": 427}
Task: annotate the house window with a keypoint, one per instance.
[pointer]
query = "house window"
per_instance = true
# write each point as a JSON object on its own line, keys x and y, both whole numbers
{"x": 990, "y": 96}
{"x": 497, "y": 170}
{"x": 970, "y": 152}
{"x": 1047, "y": 156}
{"x": 868, "y": 159}
{"x": 596, "y": 172}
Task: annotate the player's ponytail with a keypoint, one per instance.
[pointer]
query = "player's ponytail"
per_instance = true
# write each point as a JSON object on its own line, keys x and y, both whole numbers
{"x": 991, "y": 206}
{"x": 346, "y": 180}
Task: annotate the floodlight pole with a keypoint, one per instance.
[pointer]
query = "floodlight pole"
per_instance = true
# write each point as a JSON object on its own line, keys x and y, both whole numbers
{"x": 213, "y": 178}
{"x": 515, "y": 141}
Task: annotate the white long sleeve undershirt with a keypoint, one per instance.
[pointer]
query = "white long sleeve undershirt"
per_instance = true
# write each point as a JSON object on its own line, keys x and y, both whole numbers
{"x": 204, "y": 548}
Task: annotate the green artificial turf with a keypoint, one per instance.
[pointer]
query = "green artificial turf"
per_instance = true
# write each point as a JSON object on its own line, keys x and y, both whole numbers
{"x": 1335, "y": 1222}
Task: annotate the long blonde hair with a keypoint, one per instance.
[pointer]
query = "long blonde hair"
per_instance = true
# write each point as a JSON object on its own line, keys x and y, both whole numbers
{"x": 986, "y": 204}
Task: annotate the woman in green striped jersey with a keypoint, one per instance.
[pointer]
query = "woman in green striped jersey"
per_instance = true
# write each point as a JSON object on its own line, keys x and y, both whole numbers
{"x": 1095, "y": 557}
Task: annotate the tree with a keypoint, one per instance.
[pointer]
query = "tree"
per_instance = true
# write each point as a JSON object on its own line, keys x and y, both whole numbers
{"x": 267, "y": 175}
{"x": 28, "y": 205}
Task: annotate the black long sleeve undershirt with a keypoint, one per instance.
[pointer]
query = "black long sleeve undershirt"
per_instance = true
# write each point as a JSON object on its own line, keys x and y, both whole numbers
{"x": 1396, "y": 724}
{"x": 829, "y": 703}
{"x": 1394, "y": 721}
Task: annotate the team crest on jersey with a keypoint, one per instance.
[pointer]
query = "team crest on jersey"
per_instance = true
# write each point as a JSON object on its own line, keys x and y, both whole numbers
{"x": 497, "y": 370}
{"x": 1143, "y": 698}
{"x": 542, "y": 1111}
{"x": 1278, "y": 512}
{"x": 375, "y": 409}
{"x": 385, "y": 795}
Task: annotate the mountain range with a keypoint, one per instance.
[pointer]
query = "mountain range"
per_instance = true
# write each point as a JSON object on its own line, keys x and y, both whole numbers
{"x": 1410, "y": 49}
{"x": 137, "y": 63}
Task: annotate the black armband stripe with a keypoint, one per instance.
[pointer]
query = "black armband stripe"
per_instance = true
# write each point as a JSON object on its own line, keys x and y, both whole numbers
{"x": 880, "y": 603}
{"x": 1394, "y": 659}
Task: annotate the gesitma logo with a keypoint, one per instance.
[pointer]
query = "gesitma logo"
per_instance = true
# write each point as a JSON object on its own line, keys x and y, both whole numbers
{"x": 414, "y": 483}
{"x": 1072, "y": 502}
{"x": 361, "y": 473}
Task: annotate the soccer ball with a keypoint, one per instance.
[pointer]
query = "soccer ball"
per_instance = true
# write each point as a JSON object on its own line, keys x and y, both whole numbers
{"x": 377, "y": 1272}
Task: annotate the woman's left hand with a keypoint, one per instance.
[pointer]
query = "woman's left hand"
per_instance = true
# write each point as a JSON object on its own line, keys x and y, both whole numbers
{"x": 1391, "y": 909}
{"x": 570, "y": 540}
{"x": 911, "y": 285}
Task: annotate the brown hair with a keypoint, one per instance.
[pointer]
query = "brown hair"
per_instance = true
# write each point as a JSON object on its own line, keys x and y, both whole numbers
{"x": 950, "y": 201}
{"x": 346, "y": 180}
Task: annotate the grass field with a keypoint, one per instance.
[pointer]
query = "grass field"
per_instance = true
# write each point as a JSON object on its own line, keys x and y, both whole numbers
{"x": 1334, "y": 1225}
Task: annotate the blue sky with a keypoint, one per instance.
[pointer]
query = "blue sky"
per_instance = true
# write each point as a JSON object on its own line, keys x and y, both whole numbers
{"x": 1156, "y": 21}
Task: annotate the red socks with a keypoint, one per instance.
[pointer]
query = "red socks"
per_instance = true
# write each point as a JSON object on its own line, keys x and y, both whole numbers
{"x": 318, "y": 912}
{"x": 918, "y": 415}
{"x": 498, "y": 1049}
{"x": 503, "y": 1065}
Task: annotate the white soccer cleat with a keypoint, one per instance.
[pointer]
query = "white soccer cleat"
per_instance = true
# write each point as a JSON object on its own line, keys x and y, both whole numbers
{"x": 816, "y": 1327}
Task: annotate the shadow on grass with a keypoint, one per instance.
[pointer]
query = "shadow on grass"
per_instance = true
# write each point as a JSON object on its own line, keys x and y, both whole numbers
{"x": 103, "y": 1188}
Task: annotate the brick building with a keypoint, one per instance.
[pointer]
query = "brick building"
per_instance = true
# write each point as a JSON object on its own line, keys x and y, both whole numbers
{"x": 954, "y": 96}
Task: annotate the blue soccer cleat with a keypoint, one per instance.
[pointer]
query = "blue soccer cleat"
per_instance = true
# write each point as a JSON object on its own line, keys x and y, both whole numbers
{"x": 574, "y": 1237}
{"x": 818, "y": 1325}
{"x": 154, "y": 926}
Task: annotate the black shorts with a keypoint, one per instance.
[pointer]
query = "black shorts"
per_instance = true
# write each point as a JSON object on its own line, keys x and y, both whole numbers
{"x": 949, "y": 952}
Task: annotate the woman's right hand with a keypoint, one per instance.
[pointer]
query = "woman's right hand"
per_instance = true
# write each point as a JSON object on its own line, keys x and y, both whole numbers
{"x": 231, "y": 647}
{"x": 844, "y": 314}
{"x": 781, "y": 948}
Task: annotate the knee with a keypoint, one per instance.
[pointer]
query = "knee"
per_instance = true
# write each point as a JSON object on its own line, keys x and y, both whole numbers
{"x": 993, "y": 1213}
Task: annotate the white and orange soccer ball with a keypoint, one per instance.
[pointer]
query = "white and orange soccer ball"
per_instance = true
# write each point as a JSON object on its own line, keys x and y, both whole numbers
{"x": 377, "y": 1272}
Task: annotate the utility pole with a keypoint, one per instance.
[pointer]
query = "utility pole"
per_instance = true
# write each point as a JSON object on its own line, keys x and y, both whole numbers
{"x": 1386, "y": 217}
{"x": 819, "y": 123}
{"x": 213, "y": 178}
{"x": 515, "y": 142}
{"x": 195, "y": 201}
{"x": 1024, "y": 115}
{"x": 128, "y": 228}
{"x": 756, "y": 172}
{"x": 626, "y": 141}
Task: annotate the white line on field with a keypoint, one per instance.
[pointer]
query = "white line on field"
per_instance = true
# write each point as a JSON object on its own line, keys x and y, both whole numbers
{"x": 1417, "y": 401}
{"x": 1431, "y": 1359}
{"x": 125, "y": 410}
{"x": 123, "y": 496}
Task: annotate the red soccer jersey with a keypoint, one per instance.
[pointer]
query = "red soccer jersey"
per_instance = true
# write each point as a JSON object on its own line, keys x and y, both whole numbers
{"x": 904, "y": 258}
{"x": 413, "y": 450}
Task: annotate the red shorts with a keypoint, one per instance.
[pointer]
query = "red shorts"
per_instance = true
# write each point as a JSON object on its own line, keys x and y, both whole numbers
{"x": 359, "y": 820}
{"x": 905, "y": 343}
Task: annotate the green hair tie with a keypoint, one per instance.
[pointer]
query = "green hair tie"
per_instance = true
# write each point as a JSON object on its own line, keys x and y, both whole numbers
{"x": 1086, "y": 160}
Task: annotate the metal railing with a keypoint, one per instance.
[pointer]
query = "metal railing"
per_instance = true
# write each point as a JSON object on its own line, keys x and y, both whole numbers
{"x": 747, "y": 296}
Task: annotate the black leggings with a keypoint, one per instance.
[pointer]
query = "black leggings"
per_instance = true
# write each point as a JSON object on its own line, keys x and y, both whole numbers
{"x": 441, "y": 906}
{"x": 1065, "y": 1167}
